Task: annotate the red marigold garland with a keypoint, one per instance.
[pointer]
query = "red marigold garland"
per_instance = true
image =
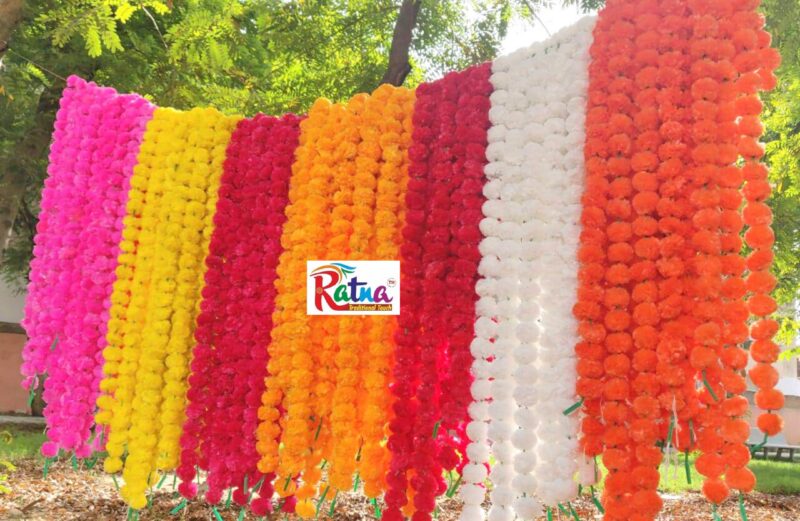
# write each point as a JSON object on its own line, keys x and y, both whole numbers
{"x": 407, "y": 355}
{"x": 235, "y": 321}
{"x": 432, "y": 373}
{"x": 469, "y": 91}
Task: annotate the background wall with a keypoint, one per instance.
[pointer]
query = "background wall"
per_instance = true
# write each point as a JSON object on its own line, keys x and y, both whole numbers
{"x": 13, "y": 398}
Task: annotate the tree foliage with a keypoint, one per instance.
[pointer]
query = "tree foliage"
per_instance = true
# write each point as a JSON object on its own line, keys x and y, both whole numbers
{"x": 782, "y": 138}
{"x": 241, "y": 57}
{"x": 278, "y": 56}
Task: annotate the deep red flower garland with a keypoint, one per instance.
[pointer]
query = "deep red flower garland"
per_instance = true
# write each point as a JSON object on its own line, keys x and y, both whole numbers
{"x": 233, "y": 328}
{"x": 470, "y": 91}
{"x": 432, "y": 368}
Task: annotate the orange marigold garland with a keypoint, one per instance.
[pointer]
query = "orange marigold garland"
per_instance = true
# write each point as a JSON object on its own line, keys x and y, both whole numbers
{"x": 330, "y": 382}
{"x": 351, "y": 206}
{"x": 390, "y": 208}
{"x": 756, "y": 63}
{"x": 607, "y": 279}
{"x": 733, "y": 62}
{"x": 307, "y": 213}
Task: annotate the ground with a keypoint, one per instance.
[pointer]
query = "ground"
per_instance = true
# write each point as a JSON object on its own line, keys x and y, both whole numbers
{"x": 88, "y": 494}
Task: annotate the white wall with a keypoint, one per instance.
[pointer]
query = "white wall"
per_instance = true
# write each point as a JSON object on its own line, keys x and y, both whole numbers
{"x": 11, "y": 305}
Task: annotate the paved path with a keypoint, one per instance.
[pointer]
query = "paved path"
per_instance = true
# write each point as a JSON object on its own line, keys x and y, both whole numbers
{"x": 21, "y": 420}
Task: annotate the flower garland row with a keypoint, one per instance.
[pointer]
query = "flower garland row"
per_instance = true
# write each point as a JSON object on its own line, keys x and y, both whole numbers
{"x": 145, "y": 400}
{"x": 235, "y": 320}
{"x": 525, "y": 332}
{"x": 95, "y": 144}
{"x": 185, "y": 275}
{"x": 440, "y": 257}
{"x": 328, "y": 376}
{"x": 673, "y": 106}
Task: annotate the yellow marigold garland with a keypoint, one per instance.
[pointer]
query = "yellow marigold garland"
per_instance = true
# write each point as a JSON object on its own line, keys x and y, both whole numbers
{"x": 131, "y": 290}
{"x": 352, "y": 213}
{"x": 197, "y": 187}
{"x": 181, "y": 179}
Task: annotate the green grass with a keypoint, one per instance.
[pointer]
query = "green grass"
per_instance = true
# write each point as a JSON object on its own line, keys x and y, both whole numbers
{"x": 772, "y": 477}
{"x": 24, "y": 442}
{"x": 776, "y": 477}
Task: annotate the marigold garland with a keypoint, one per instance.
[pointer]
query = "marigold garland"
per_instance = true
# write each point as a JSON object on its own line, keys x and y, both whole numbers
{"x": 234, "y": 323}
{"x": 178, "y": 230}
{"x": 429, "y": 419}
{"x": 610, "y": 265}
{"x": 95, "y": 143}
{"x": 394, "y": 136}
{"x": 663, "y": 301}
{"x": 672, "y": 221}
{"x": 367, "y": 171}
{"x": 131, "y": 291}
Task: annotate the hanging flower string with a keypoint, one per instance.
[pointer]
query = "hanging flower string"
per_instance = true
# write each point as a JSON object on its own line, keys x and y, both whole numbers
{"x": 96, "y": 140}
{"x": 172, "y": 250}
{"x": 227, "y": 380}
{"x": 179, "y": 227}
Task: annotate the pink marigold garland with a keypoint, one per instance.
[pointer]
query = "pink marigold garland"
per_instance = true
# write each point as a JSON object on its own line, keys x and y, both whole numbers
{"x": 95, "y": 144}
{"x": 440, "y": 254}
{"x": 235, "y": 321}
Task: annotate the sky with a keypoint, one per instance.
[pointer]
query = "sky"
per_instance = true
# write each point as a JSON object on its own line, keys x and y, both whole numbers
{"x": 522, "y": 33}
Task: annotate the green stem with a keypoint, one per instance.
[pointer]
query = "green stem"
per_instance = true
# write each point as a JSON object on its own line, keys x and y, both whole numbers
{"x": 572, "y": 512}
{"x": 333, "y": 504}
{"x": 319, "y": 428}
{"x": 255, "y": 488}
{"x": 756, "y": 448}
{"x": 708, "y": 387}
{"x": 572, "y": 408}
{"x": 178, "y": 508}
{"x": 742, "y": 510}
{"x": 322, "y": 499}
{"x": 670, "y": 430}
{"x": 597, "y": 503}
{"x": 686, "y": 467}
{"x": 454, "y": 488}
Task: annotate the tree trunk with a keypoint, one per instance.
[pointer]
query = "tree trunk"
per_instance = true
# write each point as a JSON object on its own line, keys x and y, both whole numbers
{"x": 399, "y": 67}
{"x": 10, "y": 191}
{"x": 10, "y": 195}
{"x": 10, "y": 15}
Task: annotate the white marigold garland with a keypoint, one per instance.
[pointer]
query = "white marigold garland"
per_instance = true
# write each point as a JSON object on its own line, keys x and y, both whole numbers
{"x": 524, "y": 360}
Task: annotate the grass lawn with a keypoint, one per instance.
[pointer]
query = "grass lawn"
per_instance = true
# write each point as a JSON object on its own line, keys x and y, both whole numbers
{"x": 24, "y": 442}
{"x": 772, "y": 477}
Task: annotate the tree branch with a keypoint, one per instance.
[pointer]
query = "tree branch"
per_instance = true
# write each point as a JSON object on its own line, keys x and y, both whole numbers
{"x": 399, "y": 66}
